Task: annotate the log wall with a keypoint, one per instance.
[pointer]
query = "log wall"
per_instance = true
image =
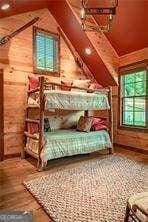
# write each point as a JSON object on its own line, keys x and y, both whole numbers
{"x": 16, "y": 58}
{"x": 1, "y": 116}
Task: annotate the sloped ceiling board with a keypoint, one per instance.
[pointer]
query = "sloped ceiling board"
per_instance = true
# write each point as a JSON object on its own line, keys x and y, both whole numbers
{"x": 84, "y": 69}
{"x": 71, "y": 27}
{"x": 130, "y": 31}
{"x": 102, "y": 46}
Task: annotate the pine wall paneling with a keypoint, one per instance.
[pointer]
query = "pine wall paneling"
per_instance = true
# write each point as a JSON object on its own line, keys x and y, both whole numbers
{"x": 1, "y": 117}
{"x": 17, "y": 61}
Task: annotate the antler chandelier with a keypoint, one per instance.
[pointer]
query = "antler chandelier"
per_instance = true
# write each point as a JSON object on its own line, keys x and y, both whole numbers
{"x": 87, "y": 12}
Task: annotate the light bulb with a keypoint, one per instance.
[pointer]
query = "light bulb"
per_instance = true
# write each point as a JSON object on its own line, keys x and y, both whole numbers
{"x": 88, "y": 51}
{"x": 82, "y": 13}
{"x": 5, "y": 6}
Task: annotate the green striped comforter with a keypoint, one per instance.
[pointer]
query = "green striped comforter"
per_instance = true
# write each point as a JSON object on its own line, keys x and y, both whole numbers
{"x": 62, "y": 143}
{"x": 74, "y": 100}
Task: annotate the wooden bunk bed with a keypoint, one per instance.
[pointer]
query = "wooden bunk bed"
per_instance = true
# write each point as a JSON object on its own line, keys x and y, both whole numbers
{"x": 41, "y": 107}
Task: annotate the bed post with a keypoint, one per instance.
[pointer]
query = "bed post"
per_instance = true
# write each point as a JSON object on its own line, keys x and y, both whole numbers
{"x": 1, "y": 115}
{"x": 86, "y": 113}
{"x": 41, "y": 116}
{"x": 110, "y": 112}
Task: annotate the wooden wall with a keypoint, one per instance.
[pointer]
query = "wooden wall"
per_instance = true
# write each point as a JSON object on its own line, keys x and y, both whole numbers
{"x": 130, "y": 138}
{"x": 1, "y": 116}
{"x": 16, "y": 60}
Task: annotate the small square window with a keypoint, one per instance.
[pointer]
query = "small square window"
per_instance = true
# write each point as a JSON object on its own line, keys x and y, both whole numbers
{"x": 46, "y": 52}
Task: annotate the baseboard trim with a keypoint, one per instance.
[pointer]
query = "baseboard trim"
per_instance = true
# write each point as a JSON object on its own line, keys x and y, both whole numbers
{"x": 13, "y": 155}
{"x": 135, "y": 149}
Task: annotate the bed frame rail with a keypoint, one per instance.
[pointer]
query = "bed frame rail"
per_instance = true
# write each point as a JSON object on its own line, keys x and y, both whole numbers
{"x": 48, "y": 84}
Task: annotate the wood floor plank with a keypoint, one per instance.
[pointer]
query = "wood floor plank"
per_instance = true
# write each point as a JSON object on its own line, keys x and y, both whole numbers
{"x": 39, "y": 215}
{"x": 13, "y": 172}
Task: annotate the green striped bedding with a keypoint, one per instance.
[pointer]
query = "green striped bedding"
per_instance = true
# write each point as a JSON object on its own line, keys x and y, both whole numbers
{"x": 74, "y": 100}
{"x": 62, "y": 143}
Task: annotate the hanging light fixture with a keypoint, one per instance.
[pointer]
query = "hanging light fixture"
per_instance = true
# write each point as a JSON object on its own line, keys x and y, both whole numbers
{"x": 87, "y": 12}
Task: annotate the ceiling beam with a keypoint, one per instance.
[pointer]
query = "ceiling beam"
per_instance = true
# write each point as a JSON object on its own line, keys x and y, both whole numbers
{"x": 71, "y": 27}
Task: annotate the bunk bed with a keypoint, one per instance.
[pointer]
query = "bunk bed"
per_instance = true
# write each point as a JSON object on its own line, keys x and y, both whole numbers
{"x": 59, "y": 143}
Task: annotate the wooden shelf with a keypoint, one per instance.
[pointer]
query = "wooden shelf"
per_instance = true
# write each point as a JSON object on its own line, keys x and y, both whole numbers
{"x": 33, "y": 121}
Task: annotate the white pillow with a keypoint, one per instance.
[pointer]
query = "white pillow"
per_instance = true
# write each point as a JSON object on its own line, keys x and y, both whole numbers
{"x": 82, "y": 84}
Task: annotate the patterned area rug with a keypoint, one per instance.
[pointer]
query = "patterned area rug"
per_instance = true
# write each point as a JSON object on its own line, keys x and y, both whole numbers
{"x": 95, "y": 191}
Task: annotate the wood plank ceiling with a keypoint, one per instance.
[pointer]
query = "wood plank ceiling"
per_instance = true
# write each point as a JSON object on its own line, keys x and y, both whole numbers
{"x": 130, "y": 27}
{"x": 130, "y": 30}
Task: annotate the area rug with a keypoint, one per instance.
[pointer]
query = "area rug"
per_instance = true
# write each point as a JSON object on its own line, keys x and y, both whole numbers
{"x": 94, "y": 191}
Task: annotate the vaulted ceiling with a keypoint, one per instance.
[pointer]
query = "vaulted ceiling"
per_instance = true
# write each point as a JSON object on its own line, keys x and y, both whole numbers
{"x": 129, "y": 33}
{"x": 130, "y": 30}
{"x": 130, "y": 27}
{"x": 74, "y": 32}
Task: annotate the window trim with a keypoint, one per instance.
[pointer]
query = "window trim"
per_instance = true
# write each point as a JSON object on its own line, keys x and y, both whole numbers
{"x": 35, "y": 69}
{"x": 124, "y": 70}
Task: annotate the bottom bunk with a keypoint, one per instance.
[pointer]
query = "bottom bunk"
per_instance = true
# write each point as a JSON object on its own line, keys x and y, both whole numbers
{"x": 61, "y": 143}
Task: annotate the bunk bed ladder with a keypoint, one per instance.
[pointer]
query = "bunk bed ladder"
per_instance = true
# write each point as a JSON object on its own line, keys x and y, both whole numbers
{"x": 41, "y": 124}
{"x": 39, "y": 121}
{"x": 25, "y": 127}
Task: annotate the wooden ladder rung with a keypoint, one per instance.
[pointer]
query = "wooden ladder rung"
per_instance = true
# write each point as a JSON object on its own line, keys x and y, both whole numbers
{"x": 33, "y": 107}
{"x": 101, "y": 117}
{"x": 30, "y": 152}
{"x": 32, "y": 121}
{"x": 31, "y": 136}
{"x": 33, "y": 90}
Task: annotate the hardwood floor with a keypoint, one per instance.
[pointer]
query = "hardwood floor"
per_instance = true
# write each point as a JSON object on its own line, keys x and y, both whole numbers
{"x": 14, "y": 196}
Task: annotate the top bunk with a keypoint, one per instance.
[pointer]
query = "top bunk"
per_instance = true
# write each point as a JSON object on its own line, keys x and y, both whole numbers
{"x": 69, "y": 97}
{"x": 74, "y": 100}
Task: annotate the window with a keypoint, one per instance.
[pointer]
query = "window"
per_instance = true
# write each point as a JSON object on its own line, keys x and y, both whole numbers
{"x": 46, "y": 52}
{"x": 134, "y": 98}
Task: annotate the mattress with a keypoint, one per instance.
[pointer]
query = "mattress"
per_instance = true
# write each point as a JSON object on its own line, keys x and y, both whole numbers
{"x": 62, "y": 143}
{"x": 75, "y": 100}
